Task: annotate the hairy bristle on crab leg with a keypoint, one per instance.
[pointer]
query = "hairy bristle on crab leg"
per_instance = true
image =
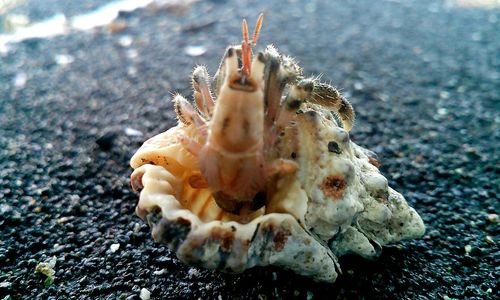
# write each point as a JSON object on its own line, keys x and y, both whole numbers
{"x": 187, "y": 113}
{"x": 202, "y": 96}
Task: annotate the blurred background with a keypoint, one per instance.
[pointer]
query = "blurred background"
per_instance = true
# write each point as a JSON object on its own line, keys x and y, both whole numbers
{"x": 84, "y": 83}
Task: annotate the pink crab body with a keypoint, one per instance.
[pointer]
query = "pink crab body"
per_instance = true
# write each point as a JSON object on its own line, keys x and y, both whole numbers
{"x": 233, "y": 160}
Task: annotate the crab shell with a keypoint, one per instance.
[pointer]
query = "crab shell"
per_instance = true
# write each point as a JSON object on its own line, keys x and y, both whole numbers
{"x": 337, "y": 203}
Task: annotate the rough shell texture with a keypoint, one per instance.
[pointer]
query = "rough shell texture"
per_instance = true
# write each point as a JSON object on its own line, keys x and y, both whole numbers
{"x": 337, "y": 203}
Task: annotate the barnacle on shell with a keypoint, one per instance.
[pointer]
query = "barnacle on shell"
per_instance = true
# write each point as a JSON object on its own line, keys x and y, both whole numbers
{"x": 335, "y": 202}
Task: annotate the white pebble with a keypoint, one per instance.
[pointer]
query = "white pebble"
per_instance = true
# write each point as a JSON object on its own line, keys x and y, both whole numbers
{"x": 310, "y": 295}
{"x": 114, "y": 247}
{"x": 192, "y": 272}
{"x": 444, "y": 95}
{"x": 493, "y": 218}
{"x": 52, "y": 262}
{"x": 63, "y": 59}
{"x": 468, "y": 248}
{"x": 195, "y": 50}
{"x": 20, "y": 80}
{"x": 15, "y": 22}
{"x": 160, "y": 272}
{"x": 442, "y": 111}
{"x": 132, "y": 53}
{"x": 132, "y": 132}
{"x": 145, "y": 294}
{"x": 125, "y": 41}
{"x": 137, "y": 227}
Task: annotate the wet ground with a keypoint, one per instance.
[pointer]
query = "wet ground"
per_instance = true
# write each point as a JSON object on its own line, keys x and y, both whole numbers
{"x": 423, "y": 77}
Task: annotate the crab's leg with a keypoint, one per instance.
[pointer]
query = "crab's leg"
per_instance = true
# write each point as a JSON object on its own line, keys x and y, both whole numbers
{"x": 297, "y": 94}
{"x": 220, "y": 75}
{"x": 202, "y": 95}
{"x": 273, "y": 85}
{"x": 329, "y": 97}
{"x": 186, "y": 113}
{"x": 189, "y": 144}
{"x": 281, "y": 166}
{"x": 279, "y": 72}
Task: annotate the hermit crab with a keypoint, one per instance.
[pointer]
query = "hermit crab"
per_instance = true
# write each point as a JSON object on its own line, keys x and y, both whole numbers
{"x": 260, "y": 170}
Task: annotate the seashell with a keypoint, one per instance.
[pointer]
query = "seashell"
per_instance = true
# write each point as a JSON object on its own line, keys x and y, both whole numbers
{"x": 326, "y": 197}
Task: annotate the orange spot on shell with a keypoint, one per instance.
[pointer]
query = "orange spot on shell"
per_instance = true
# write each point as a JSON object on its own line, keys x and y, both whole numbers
{"x": 280, "y": 240}
{"x": 374, "y": 162}
{"x": 334, "y": 186}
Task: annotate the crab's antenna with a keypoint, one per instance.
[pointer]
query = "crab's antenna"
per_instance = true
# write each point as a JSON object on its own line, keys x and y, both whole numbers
{"x": 257, "y": 29}
{"x": 246, "y": 51}
{"x": 244, "y": 29}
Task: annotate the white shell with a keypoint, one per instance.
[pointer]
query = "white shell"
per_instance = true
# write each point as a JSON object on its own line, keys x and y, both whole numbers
{"x": 337, "y": 203}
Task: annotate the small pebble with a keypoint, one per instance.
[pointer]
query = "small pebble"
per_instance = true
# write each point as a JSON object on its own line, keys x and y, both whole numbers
{"x": 476, "y": 36}
{"x": 63, "y": 59}
{"x": 442, "y": 111}
{"x": 159, "y": 272}
{"x": 468, "y": 248}
{"x": 132, "y": 53}
{"x": 125, "y": 41}
{"x": 137, "y": 227}
{"x": 117, "y": 26}
{"x": 131, "y": 70}
{"x": 145, "y": 294}
{"x": 192, "y": 272}
{"x": 13, "y": 22}
{"x": 20, "y": 80}
{"x": 5, "y": 208}
{"x": 493, "y": 218}
{"x": 489, "y": 240}
{"x": 195, "y": 50}
{"x": 114, "y": 247}
{"x": 47, "y": 268}
{"x": 99, "y": 189}
{"x": 62, "y": 220}
{"x": 310, "y": 295}
{"x": 132, "y": 132}
{"x": 444, "y": 95}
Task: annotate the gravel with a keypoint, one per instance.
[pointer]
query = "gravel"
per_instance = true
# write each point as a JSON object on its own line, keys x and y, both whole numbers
{"x": 423, "y": 77}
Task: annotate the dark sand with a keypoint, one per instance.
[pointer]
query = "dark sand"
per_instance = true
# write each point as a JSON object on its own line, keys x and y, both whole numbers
{"x": 424, "y": 79}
